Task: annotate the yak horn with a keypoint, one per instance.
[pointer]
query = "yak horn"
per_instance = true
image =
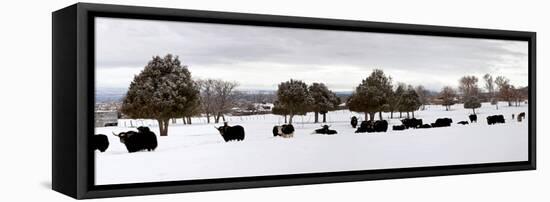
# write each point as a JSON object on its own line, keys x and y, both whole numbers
{"x": 115, "y": 134}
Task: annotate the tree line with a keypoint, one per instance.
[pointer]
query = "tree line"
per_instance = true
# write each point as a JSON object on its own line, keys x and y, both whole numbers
{"x": 497, "y": 89}
{"x": 165, "y": 90}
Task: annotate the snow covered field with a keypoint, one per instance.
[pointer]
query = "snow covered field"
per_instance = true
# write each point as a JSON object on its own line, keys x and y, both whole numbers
{"x": 197, "y": 151}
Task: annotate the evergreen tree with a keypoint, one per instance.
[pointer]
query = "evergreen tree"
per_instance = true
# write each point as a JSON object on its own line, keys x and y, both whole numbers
{"x": 410, "y": 101}
{"x": 294, "y": 96}
{"x": 162, "y": 90}
{"x": 279, "y": 109}
{"x": 371, "y": 95}
{"x": 324, "y": 100}
{"x": 394, "y": 99}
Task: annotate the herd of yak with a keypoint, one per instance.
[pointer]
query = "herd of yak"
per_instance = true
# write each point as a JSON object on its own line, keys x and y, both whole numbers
{"x": 145, "y": 140}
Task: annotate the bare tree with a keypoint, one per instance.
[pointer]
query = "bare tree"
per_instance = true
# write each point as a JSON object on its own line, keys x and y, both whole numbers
{"x": 447, "y": 95}
{"x": 505, "y": 91}
{"x": 422, "y": 96}
{"x": 224, "y": 98}
{"x": 208, "y": 96}
{"x": 470, "y": 92}
{"x": 490, "y": 87}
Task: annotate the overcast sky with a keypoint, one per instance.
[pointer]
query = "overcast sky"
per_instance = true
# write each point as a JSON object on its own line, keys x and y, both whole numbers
{"x": 262, "y": 57}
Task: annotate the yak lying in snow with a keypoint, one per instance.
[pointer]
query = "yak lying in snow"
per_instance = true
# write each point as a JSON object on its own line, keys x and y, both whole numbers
{"x": 134, "y": 141}
{"x": 100, "y": 142}
{"x": 353, "y": 122}
{"x": 286, "y": 130}
{"x": 398, "y": 127}
{"x": 473, "y": 118}
{"x": 521, "y": 116}
{"x": 230, "y": 133}
{"x": 463, "y": 122}
{"x": 442, "y": 122}
{"x": 412, "y": 123}
{"x": 425, "y": 126}
{"x": 370, "y": 126}
{"x": 495, "y": 119}
{"x": 325, "y": 130}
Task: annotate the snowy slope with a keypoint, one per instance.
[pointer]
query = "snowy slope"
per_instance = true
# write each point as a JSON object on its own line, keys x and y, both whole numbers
{"x": 197, "y": 151}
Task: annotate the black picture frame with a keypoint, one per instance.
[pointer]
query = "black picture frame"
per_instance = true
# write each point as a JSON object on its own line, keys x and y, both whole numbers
{"x": 73, "y": 100}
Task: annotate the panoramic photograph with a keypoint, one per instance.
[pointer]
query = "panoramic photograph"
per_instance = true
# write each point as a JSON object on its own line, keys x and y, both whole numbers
{"x": 178, "y": 101}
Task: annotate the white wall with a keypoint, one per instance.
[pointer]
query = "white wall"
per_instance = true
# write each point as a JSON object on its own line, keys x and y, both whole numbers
{"x": 25, "y": 76}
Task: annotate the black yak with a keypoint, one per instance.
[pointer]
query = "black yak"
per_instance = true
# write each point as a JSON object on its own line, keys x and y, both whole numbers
{"x": 411, "y": 123}
{"x": 325, "y": 130}
{"x": 463, "y": 122}
{"x": 354, "y": 122}
{"x": 521, "y": 116}
{"x": 134, "y": 141}
{"x": 473, "y": 118}
{"x": 286, "y": 130}
{"x": 442, "y": 122}
{"x": 495, "y": 119}
{"x": 230, "y": 133}
{"x": 398, "y": 127}
{"x": 370, "y": 126}
{"x": 100, "y": 142}
{"x": 425, "y": 126}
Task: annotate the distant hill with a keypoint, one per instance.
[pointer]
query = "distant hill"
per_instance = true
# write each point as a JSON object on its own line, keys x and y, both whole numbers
{"x": 109, "y": 94}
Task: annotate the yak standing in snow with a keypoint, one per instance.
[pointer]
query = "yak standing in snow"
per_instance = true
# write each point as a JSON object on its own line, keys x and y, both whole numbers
{"x": 521, "y": 116}
{"x": 473, "y": 118}
{"x": 412, "y": 123}
{"x": 370, "y": 126}
{"x": 495, "y": 119}
{"x": 100, "y": 142}
{"x": 134, "y": 141}
{"x": 230, "y": 133}
{"x": 354, "y": 121}
{"x": 286, "y": 131}
{"x": 325, "y": 130}
{"x": 442, "y": 122}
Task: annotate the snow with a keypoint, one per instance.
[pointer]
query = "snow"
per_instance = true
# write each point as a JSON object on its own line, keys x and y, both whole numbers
{"x": 197, "y": 151}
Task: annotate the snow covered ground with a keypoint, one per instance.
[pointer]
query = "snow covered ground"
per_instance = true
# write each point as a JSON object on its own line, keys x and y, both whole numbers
{"x": 197, "y": 151}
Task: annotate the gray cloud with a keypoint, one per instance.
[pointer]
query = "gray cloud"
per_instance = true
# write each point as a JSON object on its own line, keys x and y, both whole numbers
{"x": 269, "y": 54}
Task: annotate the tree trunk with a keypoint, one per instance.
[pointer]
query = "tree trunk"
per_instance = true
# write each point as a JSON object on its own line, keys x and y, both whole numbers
{"x": 207, "y": 118}
{"x": 366, "y": 116}
{"x": 286, "y": 119}
{"x": 391, "y": 115}
{"x": 474, "y": 110}
{"x": 184, "y": 121}
{"x": 509, "y": 103}
{"x": 217, "y": 118}
{"x": 174, "y": 121}
{"x": 316, "y": 117}
{"x": 380, "y": 115}
{"x": 413, "y": 114}
{"x": 189, "y": 120}
{"x": 407, "y": 114}
{"x": 400, "y": 114}
{"x": 324, "y": 117}
{"x": 290, "y": 118}
{"x": 371, "y": 115}
{"x": 223, "y": 117}
{"x": 163, "y": 127}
